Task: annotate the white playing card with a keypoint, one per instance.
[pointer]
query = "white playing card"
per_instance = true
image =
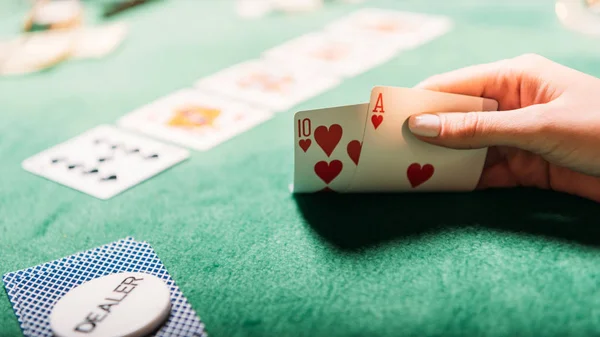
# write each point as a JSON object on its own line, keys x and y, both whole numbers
{"x": 340, "y": 54}
{"x": 393, "y": 159}
{"x": 104, "y": 161}
{"x": 194, "y": 119}
{"x": 327, "y": 147}
{"x": 268, "y": 83}
{"x": 401, "y": 30}
{"x": 98, "y": 41}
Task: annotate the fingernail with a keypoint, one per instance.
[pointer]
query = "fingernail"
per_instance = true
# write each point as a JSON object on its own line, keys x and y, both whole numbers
{"x": 425, "y": 125}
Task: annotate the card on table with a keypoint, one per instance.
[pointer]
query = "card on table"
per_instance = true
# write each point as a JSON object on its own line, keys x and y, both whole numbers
{"x": 386, "y": 156}
{"x": 340, "y": 54}
{"x": 34, "y": 291}
{"x": 268, "y": 83}
{"x": 104, "y": 161}
{"x": 194, "y": 119}
{"x": 327, "y": 146}
{"x": 399, "y": 29}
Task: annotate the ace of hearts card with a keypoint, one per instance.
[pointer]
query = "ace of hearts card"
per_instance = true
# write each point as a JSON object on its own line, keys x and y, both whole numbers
{"x": 371, "y": 150}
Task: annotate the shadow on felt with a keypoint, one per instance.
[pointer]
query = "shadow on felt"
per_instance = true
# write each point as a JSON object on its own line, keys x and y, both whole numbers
{"x": 356, "y": 221}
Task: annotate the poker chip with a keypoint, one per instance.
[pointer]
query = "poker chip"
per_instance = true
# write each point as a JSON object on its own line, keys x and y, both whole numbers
{"x": 6, "y": 50}
{"x": 98, "y": 41}
{"x": 122, "y": 304}
{"x": 50, "y": 14}
{"x": 35, "y": 51}
{"x": 582, "y": 16}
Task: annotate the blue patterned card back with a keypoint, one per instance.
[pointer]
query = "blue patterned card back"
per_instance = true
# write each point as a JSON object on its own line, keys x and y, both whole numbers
{"x": 34, "y": 291}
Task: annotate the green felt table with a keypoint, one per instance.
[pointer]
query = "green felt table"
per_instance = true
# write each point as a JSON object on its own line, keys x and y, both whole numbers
{"x": 255, "y": 261}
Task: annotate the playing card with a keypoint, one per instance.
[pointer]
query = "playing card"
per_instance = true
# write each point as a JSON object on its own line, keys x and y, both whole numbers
{"x": 327, "y": 146}
{"x": 194, "y": 119}
{"x": 104, "y": 161}
{"x": 340, "y": 54}
{"x": 390, "y": 28}
{"x": 34, "y": 291}
{"x": 268, "y": 83}
{"x": 393, "y": 159}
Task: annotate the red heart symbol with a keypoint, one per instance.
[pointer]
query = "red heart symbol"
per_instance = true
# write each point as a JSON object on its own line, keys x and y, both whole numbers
{"x": 305, "y": 144}
{"x": 418, "y": 175}
{"x": 328, "y": 139}
{"x": 328, "y": 171}
{"x": 376, "y": 120}
{"x": 327, "y": 190}
{"x": 354, "y": 148}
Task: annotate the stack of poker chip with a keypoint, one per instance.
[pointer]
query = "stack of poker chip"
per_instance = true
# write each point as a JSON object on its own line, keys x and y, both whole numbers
{"x": 49, "y": 38}
{"x": 34, "y": 52}
{"x": 54, "y": 14}
{"x": 54, "y": 32}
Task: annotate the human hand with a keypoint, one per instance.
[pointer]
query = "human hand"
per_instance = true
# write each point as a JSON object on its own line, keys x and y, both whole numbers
{"x": 546, "y": 133}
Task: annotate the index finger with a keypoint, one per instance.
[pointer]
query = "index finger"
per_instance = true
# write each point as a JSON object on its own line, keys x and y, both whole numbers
{"x": 494, "y": 80}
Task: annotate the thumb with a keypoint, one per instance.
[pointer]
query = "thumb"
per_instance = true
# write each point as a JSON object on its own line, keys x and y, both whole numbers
{"x": 517, "y": 128}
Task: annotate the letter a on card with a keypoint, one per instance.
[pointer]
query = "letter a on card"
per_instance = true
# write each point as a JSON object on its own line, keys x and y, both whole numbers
{"x": 379, "y": 104}
{"x": 377, "y": 119}
{"x": 392, "y": 159}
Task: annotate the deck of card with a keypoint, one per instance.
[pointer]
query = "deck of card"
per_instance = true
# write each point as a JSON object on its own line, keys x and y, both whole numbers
{"x": 368, "y": 148}
{"x": 34, "y": 293}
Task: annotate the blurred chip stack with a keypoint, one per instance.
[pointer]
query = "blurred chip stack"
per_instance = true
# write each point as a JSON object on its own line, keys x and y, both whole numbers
{"x": 50, "y": 15}
{"x": 53, "y": 32}
{"x": 34, "y": 52}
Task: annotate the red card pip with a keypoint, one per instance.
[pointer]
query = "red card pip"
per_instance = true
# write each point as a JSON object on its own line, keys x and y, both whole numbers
{"x": 327, "y": 147}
